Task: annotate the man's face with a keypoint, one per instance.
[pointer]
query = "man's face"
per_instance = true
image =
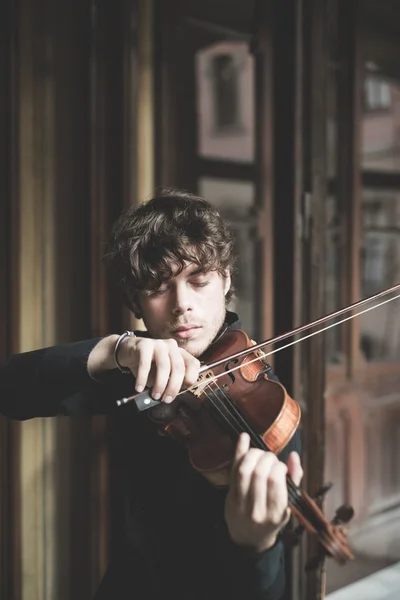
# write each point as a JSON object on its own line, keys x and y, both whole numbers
{"x": 189, "y": 308}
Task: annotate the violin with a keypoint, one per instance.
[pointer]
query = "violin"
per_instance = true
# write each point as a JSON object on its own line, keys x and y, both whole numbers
{"x": 234, "y": 394}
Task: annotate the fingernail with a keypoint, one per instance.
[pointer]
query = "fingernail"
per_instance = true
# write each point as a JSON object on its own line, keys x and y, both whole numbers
{"x": 168, "y": 399}
{"x": 156, "y": 396}
{"x": 139, "y": 388}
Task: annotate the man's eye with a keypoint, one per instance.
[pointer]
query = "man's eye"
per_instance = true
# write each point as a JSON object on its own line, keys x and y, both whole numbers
{"x": 200, "y": 283}
{"x": 158, "y": 292}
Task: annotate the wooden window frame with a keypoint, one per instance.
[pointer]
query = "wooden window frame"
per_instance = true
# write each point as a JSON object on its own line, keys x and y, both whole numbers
{"x": 361, "y": 178}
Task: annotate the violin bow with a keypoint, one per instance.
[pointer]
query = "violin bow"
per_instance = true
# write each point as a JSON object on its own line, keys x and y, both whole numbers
{"x": 143, "y": 400}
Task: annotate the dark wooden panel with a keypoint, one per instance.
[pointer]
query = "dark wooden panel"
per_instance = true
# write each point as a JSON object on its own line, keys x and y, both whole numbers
{"x": 384, "y": 14}
{"x": 113, "y": 187}
{"x": 315, "y": 177}
{"x": 234, "y": 15}
{"x": 226, "y": 169}
{"x": 381, "y": 179}
{"x": 9, "y": 526}
{"x": 284, "y": 199}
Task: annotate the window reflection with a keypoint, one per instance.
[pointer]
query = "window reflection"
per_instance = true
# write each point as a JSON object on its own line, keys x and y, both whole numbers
{"x": 380, "y": 269}
{"x": 225, "y": 92}
{"x": 225, "y": 101}
{"x": 381, "y": 123}
{"x": 377, "y": 94}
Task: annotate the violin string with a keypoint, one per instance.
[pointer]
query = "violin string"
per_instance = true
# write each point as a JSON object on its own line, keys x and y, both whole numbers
{"x": 310, "y": 335}
{"x": 296, "y": 496}
{"x": 239, "y": 424}
{"x": 231, "y": 415}
{"x": 297, "y": 499}
{"x": 231, "y": 410}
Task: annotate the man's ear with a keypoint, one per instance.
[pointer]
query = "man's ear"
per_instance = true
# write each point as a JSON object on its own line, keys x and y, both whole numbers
{"x": 227, "y": 282}
{"x": 133, "y": 306}
{"x": 136, "y": 311}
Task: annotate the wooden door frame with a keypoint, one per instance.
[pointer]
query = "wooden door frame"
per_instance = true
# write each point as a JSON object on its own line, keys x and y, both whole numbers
{"x": 300, "y": 154}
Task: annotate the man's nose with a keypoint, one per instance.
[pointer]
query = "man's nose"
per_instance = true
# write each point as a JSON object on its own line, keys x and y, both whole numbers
{"x": 181, "y": 300}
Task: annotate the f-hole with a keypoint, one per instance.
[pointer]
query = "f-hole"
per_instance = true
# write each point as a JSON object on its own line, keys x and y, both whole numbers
{"x": 228, "y": 368}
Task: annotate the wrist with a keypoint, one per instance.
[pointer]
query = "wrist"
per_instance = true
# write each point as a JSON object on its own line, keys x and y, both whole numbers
{"x": 117, "y": 350}
{"x": 101, "y": 357}
{"x": 265, "y": 545}
{"x": 259, "y": 548}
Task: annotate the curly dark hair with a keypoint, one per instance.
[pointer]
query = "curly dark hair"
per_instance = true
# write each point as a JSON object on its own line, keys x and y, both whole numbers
{"x": 151, "y": 242}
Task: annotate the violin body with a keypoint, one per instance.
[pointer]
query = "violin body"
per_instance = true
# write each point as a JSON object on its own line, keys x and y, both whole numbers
{"x": 237, "y": 396}
{"x": 208, "y": 420}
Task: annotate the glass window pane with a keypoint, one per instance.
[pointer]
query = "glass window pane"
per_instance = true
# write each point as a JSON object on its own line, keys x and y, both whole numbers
{"x": 380, "y": 123}
{"x": 225, "y": 102}
{"x": 380, "y": 269}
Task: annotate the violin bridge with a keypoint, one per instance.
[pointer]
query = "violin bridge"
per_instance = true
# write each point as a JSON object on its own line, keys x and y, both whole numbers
{"x": 202, "y": 382}
{"x": 260, "y": 353}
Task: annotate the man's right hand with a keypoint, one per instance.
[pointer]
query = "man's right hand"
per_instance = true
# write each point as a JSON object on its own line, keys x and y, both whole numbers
{"x": 158, "y": 364}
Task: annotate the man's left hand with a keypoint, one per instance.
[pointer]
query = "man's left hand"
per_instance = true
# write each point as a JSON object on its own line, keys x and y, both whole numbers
{"x": 256, "y": 506}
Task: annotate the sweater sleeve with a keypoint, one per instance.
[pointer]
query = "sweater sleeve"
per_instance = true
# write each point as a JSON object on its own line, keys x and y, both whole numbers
{"x": 251, "y": 576}
{"x": 54, "y": 381}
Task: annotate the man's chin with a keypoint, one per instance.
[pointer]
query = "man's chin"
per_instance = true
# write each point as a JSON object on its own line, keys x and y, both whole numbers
{"x": 194, "y": 347}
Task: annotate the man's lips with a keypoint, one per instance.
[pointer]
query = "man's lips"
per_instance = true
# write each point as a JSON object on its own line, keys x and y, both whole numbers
{"x": 186, "y": 332}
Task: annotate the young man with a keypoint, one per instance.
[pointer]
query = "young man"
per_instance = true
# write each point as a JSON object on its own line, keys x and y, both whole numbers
{"x": 181, "y": 538}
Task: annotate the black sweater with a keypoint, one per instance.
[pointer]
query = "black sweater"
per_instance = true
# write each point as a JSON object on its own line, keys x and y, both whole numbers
{"x": 173, "y": 540}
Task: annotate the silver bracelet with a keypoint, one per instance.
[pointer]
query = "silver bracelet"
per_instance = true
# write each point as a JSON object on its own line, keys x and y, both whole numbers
{"x": 121, "y": 338}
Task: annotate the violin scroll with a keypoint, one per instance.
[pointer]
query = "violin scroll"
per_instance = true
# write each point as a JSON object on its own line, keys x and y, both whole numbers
{"x": 332, "y": 536}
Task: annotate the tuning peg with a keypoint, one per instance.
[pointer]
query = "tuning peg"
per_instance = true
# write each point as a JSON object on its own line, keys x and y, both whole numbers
{"x": 344, "y": 514}
{"x": 323, "y": 490}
